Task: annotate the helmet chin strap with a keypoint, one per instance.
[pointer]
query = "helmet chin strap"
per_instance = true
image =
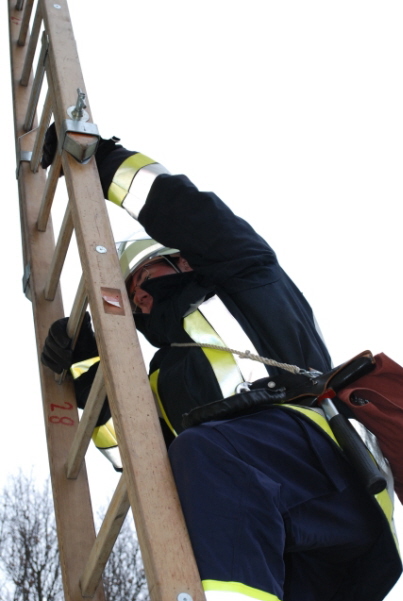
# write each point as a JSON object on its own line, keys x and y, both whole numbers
{"x": 171, "y": 264}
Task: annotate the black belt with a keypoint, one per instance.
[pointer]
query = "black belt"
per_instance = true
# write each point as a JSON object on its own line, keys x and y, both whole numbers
{"x": 318, "y": 390}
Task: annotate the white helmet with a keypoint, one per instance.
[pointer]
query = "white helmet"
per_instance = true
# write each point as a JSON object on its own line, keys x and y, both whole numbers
{"x": 140, "y": 249}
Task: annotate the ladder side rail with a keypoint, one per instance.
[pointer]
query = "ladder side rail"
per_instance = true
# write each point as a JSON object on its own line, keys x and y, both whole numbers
{"x": 73, "y": 510}
{"x": 163, "y": 537}
{"x": 76, "y": 532}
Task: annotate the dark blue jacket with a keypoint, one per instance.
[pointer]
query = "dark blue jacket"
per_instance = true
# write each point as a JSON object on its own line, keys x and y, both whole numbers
{"x": 231, "y": 260}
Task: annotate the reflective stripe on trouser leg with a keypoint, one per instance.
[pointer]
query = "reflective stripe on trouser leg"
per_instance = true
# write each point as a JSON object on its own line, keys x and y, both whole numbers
{"x": 234, "y": 591}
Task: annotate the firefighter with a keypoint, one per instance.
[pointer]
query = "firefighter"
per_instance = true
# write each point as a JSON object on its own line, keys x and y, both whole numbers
{"x": 274, "y": 510}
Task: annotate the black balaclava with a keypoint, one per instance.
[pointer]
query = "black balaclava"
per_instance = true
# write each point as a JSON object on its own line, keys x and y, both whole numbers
{"x": 174, "y": 297}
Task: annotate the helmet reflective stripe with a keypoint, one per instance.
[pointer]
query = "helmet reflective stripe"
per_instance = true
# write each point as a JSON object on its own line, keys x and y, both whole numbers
{"x": 136, "y": 174}
{"x": 133, "y": 253}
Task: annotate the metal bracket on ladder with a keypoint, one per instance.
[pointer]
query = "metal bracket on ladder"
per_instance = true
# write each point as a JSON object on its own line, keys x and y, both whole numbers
{"x": 23, "y": 154}
{"x": 78, "y": 124}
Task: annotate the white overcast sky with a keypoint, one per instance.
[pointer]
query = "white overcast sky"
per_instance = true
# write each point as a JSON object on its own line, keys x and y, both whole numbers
{"x": 290, "y": 111}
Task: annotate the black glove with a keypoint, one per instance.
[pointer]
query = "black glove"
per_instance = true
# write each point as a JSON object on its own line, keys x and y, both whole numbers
{"x": 57, "y": 353}
{"x": 105, "y": 147}
{"x": 49, "y": 147}
{"x": 109, "y": 156}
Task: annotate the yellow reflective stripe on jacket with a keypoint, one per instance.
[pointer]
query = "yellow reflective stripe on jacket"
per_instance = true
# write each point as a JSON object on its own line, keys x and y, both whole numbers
{"x": 386, "y": 504}
{"x": 225, "y": 368}
{"x": 124, "y": 176}
{"x": 78, "y": 369}
{"x": 154, "y": 387}
{"x": 316, "y": 417}
{"x": 236, "y": 587}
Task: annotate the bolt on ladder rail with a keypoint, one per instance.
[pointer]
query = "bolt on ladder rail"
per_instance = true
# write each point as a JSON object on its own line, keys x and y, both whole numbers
{"x": 44, "y": 56}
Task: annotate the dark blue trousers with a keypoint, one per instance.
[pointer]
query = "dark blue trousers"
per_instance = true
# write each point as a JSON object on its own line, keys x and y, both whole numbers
{"x": 271, "y": 503}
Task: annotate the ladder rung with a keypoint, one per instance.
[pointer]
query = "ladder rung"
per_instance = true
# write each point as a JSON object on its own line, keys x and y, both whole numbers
{"x": 76, "y": 317}
{"x": 49, "y": 193}
{"x": 111, "y": 526}
{"x": 37, "y": 85}
{"x": 66, "y": 231}
{"x": 40, "y": 136}
{"x": 25, "y": 20}
{"x": 33, "y": 42}
{"x": 77, "y": 311}
{"x": 86, "y": 425}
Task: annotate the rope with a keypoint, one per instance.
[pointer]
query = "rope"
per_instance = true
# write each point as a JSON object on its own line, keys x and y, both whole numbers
{"x": 294, "y": 369}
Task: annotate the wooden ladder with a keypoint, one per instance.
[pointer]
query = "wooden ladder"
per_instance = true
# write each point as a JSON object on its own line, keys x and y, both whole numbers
{"x": 41, "y": 33}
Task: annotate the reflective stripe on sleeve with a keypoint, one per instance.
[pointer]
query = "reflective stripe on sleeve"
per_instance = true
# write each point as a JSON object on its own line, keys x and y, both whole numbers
{"x": 132, "y": 182}
{"x": 104, "y": 438}
{"x": 78, "y": 369}
{"x": 217, "y": 590}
